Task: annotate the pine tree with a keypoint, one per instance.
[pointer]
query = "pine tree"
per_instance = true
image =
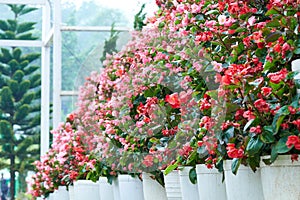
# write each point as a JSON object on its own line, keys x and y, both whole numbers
{"x": 139, "y": 18}
{"x": 19, "y": 98}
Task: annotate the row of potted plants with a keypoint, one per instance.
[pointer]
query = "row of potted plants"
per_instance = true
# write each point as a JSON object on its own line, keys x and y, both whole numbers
{"x": 205, "y": 82}
{"x": 246, "y": 184}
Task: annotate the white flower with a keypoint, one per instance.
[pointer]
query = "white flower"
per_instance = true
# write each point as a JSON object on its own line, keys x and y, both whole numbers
{"x": 222, "y": 19}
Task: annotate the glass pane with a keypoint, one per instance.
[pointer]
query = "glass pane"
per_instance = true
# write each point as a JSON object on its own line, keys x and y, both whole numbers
{"x": 68, "y": 104}
{"x": 103, "y": 12}
{"x": 81, "y": 53}
{"x": 34, "y": 16}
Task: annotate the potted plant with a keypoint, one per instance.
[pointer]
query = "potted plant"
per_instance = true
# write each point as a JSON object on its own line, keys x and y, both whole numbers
{"x": 251, "y": 52}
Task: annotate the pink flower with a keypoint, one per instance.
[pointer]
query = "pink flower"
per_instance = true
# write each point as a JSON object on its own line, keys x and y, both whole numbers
{"x": 195, "y": 8}
{"x": 249, "y": 115}
{"x": 217, "y": 66}
{"x": 251, "y": 20}
{"x": 148, "y": 160}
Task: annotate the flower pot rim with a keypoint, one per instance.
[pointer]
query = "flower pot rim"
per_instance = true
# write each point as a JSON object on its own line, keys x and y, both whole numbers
{"x": 85, "y": 182}
{"x": 185, "y": 171}
{"x": 227, "y": 166}
{"x": 281, "y": 160}
{"x": 294, "y": 66}
{"x": 202, "y": 169}
{"x": 127, "y": 177}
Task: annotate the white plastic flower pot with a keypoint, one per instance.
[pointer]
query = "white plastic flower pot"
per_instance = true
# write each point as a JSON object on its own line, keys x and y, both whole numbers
{"x": 50, "y": 197}
{"x": 296, "y": 68}
{"x": 172, "y": 185}
{"x": 130, "y": 188}
{"x": 84, "y": 189}
{"x": 71, "y": 192}
{"x": 61, "y": 193}
{"x": 281, "y": 179}
{"x": 105, "y": 189}
{"x": 245, "y": 183}
{"x": 188, "y": 189}
{"x": 116, "y": 189}
{"x": 210, "y": 185}
{"x": 152, "y": 189}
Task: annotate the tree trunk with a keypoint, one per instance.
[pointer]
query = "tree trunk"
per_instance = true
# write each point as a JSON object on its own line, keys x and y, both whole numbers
{"x": 12, "y": 177}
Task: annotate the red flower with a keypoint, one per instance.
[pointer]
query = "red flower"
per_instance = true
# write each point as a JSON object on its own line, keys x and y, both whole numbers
{"x": 173, "y": 100}
{"x": 278, "y": 76}
{"x": 266, "y": 91}
{"x": 256, "y": 130}
{"x": 262, "y": 105}
{"x": 292, "y": 110}
{"x": 249, "y": 115}
{"x": 71, "y": 117}
{"x": 234, "y": 152}
{"x": 285, "y": 126}
{"x": 186, "y": 149}
{"x": 297, "y": 123}
{"x": 293, "y": 140}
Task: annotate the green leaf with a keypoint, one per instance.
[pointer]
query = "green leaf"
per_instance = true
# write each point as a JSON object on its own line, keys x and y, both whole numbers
{"x": 27, "y": 10}
{"x": 5, "y": 128}
{"x": 6, "y": 103}
{"x": 248, "y": 124}
{"x": 18, "y": 75}
{"x": 235, "y": 165}
{"x": 254, "y": 146}
{"x": 274, "y": 155}
{"x": 202, "y": 151}
{"x": 193, "y": 176}
{"x": 253, "y": 162}
{"x": 12, "y": 24}
{"x": 273, "y": 23}
{"x": 272, "y": 37}
{"x": 25, "y": 26}
{"x": 3, "y": 25}
{"x": 279, "y": 117}
{"x": 31, "y": 69}
{"x": 241, "y": 29}
{"x": 27, "y": 98}
{"x": 26, "y": 36}
{"x": 170, "y": 168}
{"x": 17, "y": 54}
{"x": 297, "y": 51}
{"x": 281, "y": 146}
{"x": 267, "y": 135}
{"x": 272, "y": 12}
{"x": 212, "y": 12}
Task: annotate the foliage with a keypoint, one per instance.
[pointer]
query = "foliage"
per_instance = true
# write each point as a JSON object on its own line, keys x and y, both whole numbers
{"x": 139, "y": 19}
{"x": 19, "y": 97}
{"x": 110, "y": 45}
{"x": 203, "y": 82}
{"x": 251, "y": 46}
